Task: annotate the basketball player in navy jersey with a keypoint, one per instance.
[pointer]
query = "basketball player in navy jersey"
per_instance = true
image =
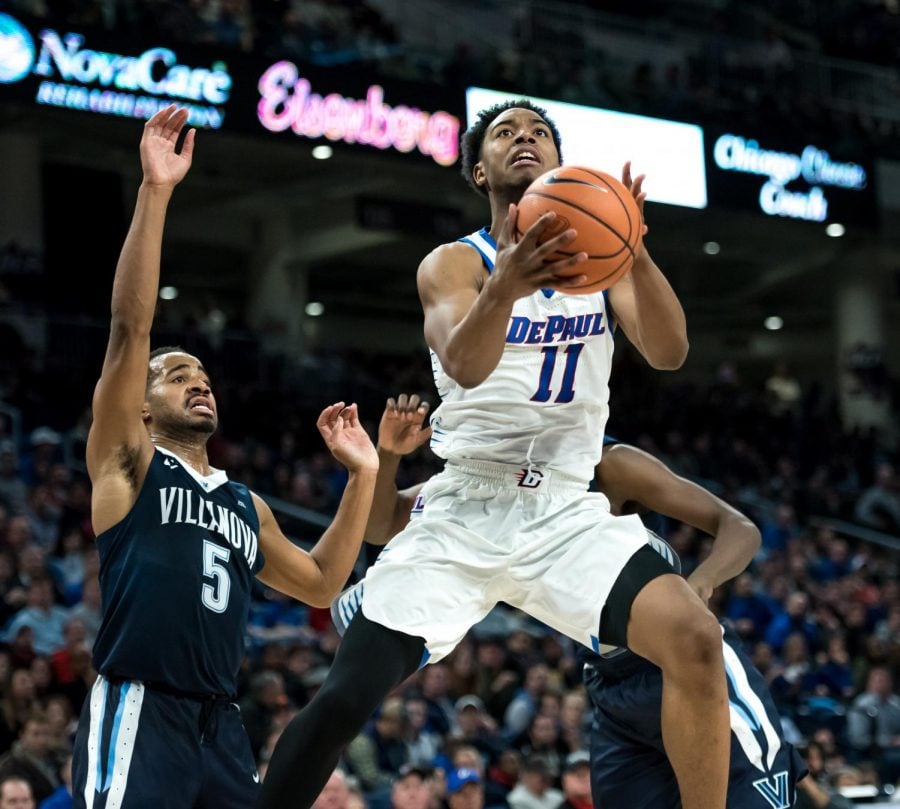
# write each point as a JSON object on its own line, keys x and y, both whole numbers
{"x": 523, "y": 370}
{"x": 629, "y": 766}
{"x": 179, "y": 546}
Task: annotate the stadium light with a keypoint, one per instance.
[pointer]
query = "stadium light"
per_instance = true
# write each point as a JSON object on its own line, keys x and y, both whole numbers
{"x": 168, "y": 293}
{"x": 322, "y": 152}
{"x": 711, "y": 248}
{"x": 315, "y": 308}
{"x": 835, "y": 230}
{"x": 773, "y": 323}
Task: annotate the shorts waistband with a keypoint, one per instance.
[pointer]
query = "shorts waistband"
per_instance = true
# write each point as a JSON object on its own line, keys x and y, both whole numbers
{"x": 165, "y": 688}
{"x": 523, "y": 478}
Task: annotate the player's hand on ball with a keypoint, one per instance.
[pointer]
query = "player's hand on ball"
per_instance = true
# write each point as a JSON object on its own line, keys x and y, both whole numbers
{"x": 522, "y": 266}
{"x": 345, "y": 437}
{"x": 635, "y": 186}
{"x": 162, "y": 166}
{"x": 402, "y": 427}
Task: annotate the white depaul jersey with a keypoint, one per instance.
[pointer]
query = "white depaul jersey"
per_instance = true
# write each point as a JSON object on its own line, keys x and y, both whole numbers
{"x": 546, "y": 403}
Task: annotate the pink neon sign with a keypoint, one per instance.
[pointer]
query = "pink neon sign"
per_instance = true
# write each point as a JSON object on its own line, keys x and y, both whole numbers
{"x": 287, "y": 102}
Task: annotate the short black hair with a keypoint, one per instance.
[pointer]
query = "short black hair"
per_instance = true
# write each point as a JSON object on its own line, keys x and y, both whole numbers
{"x": 473, "y": 138}
{"x": 158, "y": 352}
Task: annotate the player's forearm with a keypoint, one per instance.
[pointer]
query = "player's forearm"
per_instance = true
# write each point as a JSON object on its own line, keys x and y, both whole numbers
{"x": 735, "y": 544}
{"x": 337, "y": 550}
{"x": 661, "y": 325}
{"x": 136, "y": 283}
{"x": 384, "y": 502}
{"x": 475, "y": 345}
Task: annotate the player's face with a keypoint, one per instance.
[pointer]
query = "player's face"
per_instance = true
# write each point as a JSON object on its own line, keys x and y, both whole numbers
{"x": 518, "y": 147}
{"x": 179, "y": 396}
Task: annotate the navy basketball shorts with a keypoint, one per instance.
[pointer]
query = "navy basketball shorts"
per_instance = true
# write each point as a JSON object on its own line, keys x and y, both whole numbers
{"x": 141, "y": 748}
{"x": 629, "y": 766}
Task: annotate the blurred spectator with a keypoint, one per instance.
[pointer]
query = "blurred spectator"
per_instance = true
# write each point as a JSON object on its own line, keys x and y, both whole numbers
{"x": 13, "y": 492}
{"x": 258, "y": 709}
{"x": 749, "y": 612}
{"x": 62, "y": 797}
{"x": 474, "y": 726}
{"x": 376, "y": 755}
{"x": 31, "y": 758}
{"x": 535, "y": 788}
{"x": 422, "y": 745}
{"x": 576, "y": 781}
{"x": 465, "y": 790}
{"x": 15, "y": 793}
{"x": 42, "y": 616}
{"x": 335, "y": 794}
{"x": 88, "y": 609}
{"x": 525, "y": 703}
{"x": 793, "y": 619}
{"x": 873, "y": 723}
{"x": 879, "y": 505}
{"x": 410, "y": 789}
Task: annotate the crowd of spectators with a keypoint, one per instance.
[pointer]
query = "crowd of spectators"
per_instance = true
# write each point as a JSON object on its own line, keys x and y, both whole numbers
{"x": 505, "y": 714}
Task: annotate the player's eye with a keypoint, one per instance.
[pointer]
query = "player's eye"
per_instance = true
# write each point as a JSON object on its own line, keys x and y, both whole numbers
{"x": 541, "y": 131}
{"x": 504, "y": 132}
{"x": 178, "y": 379}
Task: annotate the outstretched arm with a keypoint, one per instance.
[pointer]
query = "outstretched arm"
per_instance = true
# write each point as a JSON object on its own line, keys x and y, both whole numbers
{"x": 645, "y": 305}
{"x": 401, "y": 431}
{"x": 317, "y": 577}
{"x": 118, "y": 447}
{"x": 629, "y": 474}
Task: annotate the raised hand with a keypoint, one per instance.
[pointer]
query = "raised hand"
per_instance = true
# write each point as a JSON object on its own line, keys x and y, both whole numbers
{"x": 161, "y": 164}
{"x": 402, "y": 427}
{"x": 523, "y": 267}
{"x": 635, "y": 186}
{"x": 346, "y": 439}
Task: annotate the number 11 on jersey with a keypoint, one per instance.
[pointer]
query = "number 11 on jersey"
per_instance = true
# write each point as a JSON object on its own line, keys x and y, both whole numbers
{"x": 567, "y": 385}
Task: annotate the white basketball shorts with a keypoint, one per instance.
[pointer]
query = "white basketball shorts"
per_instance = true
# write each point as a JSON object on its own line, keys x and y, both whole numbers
{"x": 482, "y": 533}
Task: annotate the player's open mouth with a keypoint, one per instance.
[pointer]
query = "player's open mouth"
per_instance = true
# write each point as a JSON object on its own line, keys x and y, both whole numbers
{"x": 525, "y": 158}
{"x": 200, "y": 406}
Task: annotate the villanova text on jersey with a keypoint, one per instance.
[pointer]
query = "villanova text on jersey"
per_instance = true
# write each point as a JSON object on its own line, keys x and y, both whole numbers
{"x": 179, "y": 505}
{"x": 175, "y": 575}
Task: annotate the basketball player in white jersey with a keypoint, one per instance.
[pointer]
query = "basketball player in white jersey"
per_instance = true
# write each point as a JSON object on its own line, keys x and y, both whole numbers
{"x": 523, "y": 370}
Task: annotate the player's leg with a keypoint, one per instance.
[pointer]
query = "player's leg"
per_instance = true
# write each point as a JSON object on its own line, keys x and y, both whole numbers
{"x": 765, "y": 768}
{"x": 230, "y": 778}
{"x": 135, "y": 749}
{"x": 668, "y": 624}
{"x": 371, "y": 661}
{"x": 601, "y": 583}
{"x": 628, "y": 764}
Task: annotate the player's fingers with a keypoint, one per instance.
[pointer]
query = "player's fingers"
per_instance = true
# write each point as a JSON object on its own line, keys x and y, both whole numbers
{"x": 552, "y": 245}
{"x": 160, "y": 117}
{"x": 636, "y": 185}
{"x": 351, "y": 415}
{"x": 413, "y": 403}
{"x": 402, "y": 399}
{"x": 626, "y": 174}
{"x": 564, "y": 265}
{"x": 187, "y": 148}
{"x": 532, "y": 236}
{"x": 329, "y": 413}
{"x": 390, "y": 408}
{"x": 423, "y": 408}
{"x": 568, "y": 281}
{"x": 175, "y": 122}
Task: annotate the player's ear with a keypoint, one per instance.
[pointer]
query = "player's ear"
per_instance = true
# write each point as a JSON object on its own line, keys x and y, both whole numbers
{"x": 145, "y": 413}
{"x": 478, "y": 174}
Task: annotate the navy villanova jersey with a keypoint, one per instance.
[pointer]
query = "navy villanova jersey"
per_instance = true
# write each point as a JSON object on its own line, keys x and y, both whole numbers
{"x": 175, "y": 576}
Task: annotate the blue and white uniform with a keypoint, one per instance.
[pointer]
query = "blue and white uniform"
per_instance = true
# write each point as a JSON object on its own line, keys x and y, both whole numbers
{"x": 160, "y": 728}
{"x": 510, "y": 518}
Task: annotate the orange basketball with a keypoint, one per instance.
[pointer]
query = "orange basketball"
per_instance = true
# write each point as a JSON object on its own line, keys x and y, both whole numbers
{"x": 600, "y": 208}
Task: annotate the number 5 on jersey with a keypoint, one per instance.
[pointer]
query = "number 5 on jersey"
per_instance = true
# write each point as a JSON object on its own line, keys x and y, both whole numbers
{"x": 215, "y": 596}
{"x": 567, "y": 384}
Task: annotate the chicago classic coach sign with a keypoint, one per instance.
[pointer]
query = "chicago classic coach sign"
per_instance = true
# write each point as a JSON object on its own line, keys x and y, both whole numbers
{"x": 288, "y": 102}
{"x": 795, "y": 182}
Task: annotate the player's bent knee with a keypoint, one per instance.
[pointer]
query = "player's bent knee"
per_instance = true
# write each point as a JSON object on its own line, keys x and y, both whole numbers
{"x": 699, "y": 640}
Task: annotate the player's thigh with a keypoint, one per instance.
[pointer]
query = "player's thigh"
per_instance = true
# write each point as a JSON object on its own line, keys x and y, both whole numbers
{"x": 135, "y": 749}
{"x": 432, "y": 581}
{"x": 571, "y": 564}
{"x": 625, "y": 771}
{"x": 231, "y": 780}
